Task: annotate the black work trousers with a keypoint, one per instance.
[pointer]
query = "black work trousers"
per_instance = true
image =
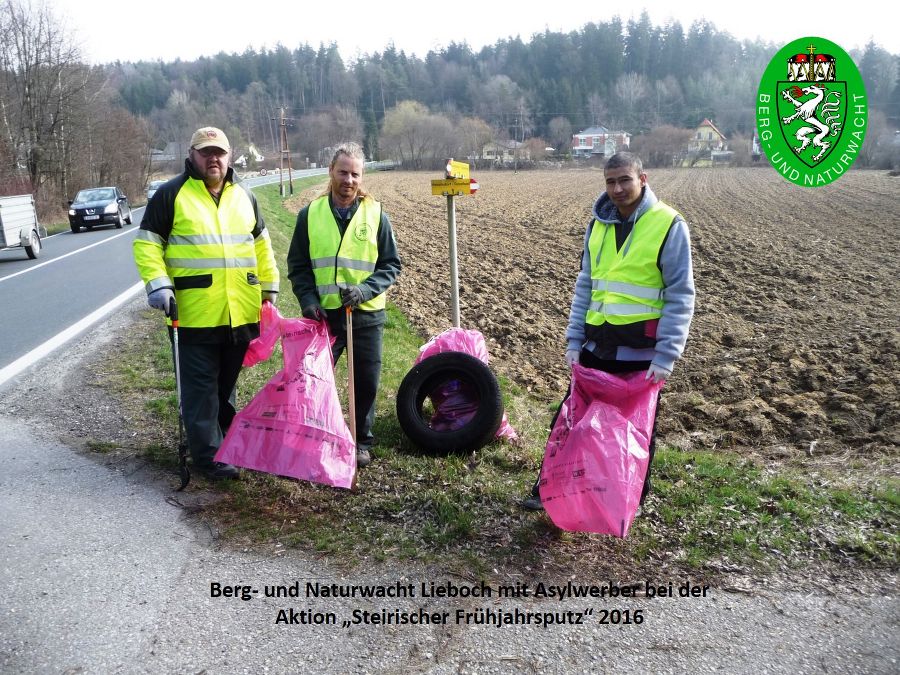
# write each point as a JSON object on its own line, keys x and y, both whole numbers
{"x": 209, "y": 373}
{"x": 367, "y": 346}
{"x": 588, "y": 360}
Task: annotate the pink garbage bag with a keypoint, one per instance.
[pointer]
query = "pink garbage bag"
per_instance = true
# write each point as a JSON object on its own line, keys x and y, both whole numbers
{"x": 455, "y": 404}
{"x": 597, "y": 453}
{"x": 295, "y": 426}
{"x": 262, "y": 347}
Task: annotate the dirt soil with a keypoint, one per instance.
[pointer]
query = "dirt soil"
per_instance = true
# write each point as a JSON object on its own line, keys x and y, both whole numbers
{"x": 794, "y": 347}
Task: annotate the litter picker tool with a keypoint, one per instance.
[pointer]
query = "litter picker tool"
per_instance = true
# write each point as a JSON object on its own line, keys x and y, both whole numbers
{"x": 351, "y": 396}
{"x": 183, "y": 470}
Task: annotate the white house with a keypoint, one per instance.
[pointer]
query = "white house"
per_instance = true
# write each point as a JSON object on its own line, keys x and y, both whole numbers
{"x": 505, "y": 151}
{"x": 599, "y": 142}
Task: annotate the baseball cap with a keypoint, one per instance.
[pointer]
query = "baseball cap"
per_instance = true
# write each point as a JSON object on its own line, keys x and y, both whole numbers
{"x": 210, "y": 137}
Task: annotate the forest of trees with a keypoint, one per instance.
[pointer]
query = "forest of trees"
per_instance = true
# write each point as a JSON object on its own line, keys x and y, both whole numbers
{"x": 65, "y": 124}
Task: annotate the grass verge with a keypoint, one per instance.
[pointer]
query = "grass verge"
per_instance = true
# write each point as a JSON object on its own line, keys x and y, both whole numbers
{"x": 708, "y": 511}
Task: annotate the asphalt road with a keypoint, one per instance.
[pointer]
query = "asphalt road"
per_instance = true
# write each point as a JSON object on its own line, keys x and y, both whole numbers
{"x": 74, "y": 275}
{"x": 76, "y": 282}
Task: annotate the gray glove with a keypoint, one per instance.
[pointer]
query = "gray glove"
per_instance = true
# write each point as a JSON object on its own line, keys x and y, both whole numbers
{"x": 161, "y": 299}
{"x": 314, "y": 312}
{"x": 271, "y": 296}
{"x": 351, "y": 296}
{"x": 657, "y": 373}
{"x": 572, "y": 356}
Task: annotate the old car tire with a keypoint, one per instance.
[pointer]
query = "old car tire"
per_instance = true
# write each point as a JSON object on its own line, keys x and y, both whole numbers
{"x": 120, "y": 220}
{"x": 440, "y": 369}
{"x": 75, "y": 228}
{"x": 33, "y": 247}
{"x": 130, "y": 218}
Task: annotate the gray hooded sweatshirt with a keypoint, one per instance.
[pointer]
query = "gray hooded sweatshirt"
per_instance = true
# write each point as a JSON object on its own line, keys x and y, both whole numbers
{"x": 678, "y": 292}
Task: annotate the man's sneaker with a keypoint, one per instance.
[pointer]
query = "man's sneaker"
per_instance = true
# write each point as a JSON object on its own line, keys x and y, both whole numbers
{"x": 363, "y": 457}
{"x": 533, "y": 503}
{"x": 219, "y": 471}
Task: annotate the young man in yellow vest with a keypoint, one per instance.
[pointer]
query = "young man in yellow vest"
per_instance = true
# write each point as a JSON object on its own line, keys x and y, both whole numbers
{"x": 343, "y": 254}
{"x": 634, "y": 295}
{"x": 203, "y": 242}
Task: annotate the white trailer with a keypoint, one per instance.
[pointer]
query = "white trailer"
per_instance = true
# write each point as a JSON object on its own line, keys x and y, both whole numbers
{"x": 19, "y": 227}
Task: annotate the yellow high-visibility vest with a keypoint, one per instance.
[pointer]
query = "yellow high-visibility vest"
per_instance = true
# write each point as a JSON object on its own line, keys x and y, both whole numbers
{"x": 338, "y": 261}
{"x": 627, "y": 284}
{"x": 211, "y": 258}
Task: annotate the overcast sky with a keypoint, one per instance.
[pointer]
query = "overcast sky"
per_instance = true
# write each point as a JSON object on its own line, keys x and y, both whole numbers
{"x": 111, "y": 30}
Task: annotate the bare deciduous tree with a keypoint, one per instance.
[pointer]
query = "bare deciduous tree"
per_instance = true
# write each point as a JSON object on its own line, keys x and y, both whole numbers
{"x": 473, "y": 134}
{"x": 320, "y": 131}
{"x": 629, "y": 95}
{"x": 597, "y": 109}
{"x": 59, "y": 124}
{"x": 561, "y": 135}
{"x": 659, "y": 147}
{"x": 536, "y": 149}
{"x": 415, "y": 136}
{"x": 501, "y": 103}
{"x": 880, "y": 148}
{"x": 39, "y": 65}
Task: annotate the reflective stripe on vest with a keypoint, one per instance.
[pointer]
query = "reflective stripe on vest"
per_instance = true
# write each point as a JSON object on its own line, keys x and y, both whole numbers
{"x": 626, "y": 284}
{"x": 339, "y": 262}
{"x": 215, "y": 243}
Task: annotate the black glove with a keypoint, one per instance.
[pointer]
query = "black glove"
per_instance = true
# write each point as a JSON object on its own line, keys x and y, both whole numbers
{"x": 314, "y": 312}
{"x": 351, "y": 296}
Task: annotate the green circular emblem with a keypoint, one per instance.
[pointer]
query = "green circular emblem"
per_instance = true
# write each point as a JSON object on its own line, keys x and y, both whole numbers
{"x": 811, "y": 112}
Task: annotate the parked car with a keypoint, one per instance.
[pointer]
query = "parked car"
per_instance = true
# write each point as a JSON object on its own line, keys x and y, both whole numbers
{"x": 153, "y": 187}
{"x": 99, "y": 206}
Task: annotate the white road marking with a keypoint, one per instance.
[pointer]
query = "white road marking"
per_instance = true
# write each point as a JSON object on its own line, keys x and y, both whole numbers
{"x": 66, "y": 255}
{"x": 61, "y": 338}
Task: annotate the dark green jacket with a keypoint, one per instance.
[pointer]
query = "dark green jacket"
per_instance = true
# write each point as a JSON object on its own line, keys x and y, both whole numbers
{"x": 299, "y": 266}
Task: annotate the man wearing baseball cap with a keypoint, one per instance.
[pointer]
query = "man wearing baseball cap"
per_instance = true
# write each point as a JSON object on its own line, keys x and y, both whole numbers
{"x": 203, "y": 244}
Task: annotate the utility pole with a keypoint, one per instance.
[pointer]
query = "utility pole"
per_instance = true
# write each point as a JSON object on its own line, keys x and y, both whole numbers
{"x": 285, "y": 155}
{"x": 514, "y": 148}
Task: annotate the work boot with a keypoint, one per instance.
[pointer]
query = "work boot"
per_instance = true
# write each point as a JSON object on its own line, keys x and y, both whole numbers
{"x": 533, "y": 503}
{"x": 219, "y": 471}
{"x": 363, "y": 457}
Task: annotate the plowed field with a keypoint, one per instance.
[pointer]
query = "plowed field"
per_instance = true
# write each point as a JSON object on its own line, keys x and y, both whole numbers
{"x": 795, "y": 341}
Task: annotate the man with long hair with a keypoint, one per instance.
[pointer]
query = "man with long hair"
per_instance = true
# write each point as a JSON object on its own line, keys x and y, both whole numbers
{"x": 343, "y": 254}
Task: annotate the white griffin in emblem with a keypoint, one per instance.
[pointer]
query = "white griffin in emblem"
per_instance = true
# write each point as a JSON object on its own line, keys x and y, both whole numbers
{"x": 807, "y": 110}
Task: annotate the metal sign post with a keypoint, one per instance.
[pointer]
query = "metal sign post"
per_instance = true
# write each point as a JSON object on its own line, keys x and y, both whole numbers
{"x": 457, "y": 182}
{"x": 454, "y": 276}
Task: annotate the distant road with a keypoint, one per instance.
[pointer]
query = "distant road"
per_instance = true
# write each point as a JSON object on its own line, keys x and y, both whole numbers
{"x": 273, "y": 176}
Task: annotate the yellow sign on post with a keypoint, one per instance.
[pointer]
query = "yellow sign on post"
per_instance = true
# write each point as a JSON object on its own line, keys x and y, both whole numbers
{"x": 457, "y": 169}
{"x": 451, "y": 187}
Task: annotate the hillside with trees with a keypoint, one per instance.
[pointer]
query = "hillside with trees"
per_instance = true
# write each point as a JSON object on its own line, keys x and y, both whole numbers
{"x": 70, "y": 124}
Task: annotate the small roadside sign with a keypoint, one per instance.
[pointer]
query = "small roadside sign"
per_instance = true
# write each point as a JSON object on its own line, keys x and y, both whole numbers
{"x": 456, "y": 183}
{"x": 457, "y": 169}
{"x": 451, "y": 187}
